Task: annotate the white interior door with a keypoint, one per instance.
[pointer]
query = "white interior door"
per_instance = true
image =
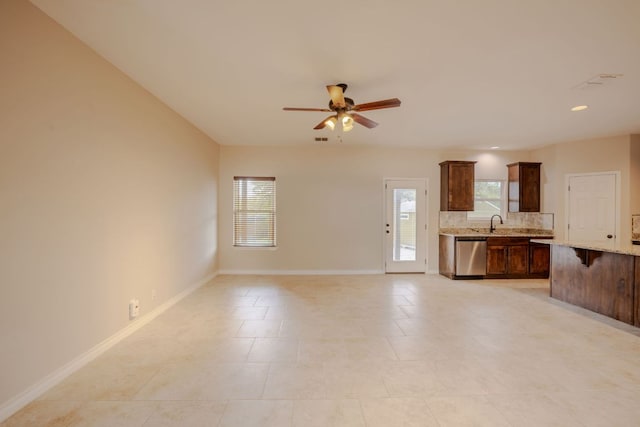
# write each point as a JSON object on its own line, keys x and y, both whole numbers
{"x": 593, "y": 207}
{"x": 405, "y": 226}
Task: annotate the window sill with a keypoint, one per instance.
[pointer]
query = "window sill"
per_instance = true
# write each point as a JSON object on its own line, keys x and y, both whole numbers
{"x": 255, "y": 248}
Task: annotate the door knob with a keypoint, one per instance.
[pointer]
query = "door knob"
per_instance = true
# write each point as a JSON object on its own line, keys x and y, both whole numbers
{"x": 609, "y": 236}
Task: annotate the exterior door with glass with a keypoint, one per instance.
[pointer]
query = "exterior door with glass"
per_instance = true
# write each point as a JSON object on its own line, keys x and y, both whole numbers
{"x": 405, "y": 226}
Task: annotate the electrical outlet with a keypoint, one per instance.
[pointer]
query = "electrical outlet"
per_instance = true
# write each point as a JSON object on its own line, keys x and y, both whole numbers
{"x": 134, "y": 308}
{"x": 153, "y": 294}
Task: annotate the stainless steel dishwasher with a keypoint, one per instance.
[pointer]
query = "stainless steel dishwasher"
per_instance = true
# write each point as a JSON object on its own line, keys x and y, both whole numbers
{"x": 471, "y": 256}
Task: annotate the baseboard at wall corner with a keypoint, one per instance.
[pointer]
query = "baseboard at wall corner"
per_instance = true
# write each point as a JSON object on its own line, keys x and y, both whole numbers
{"x": 299, "y": 272}
{"x": 308, "y": 272}
{"x": 19, "y": 401}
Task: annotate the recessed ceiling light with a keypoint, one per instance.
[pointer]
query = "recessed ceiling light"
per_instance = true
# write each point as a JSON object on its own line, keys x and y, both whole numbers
{"x": 579, "y": 107}
{"x": 495, "y": 147}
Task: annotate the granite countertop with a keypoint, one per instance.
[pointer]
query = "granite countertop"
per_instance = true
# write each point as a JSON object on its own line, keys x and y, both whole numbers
{"x": 614, "y": 247}
{"x": 499, "y": 232}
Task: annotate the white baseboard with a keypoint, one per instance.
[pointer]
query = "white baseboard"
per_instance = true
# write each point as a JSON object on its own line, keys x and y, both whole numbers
{"x": 16, "y": 403}
{"x": 300, "y": 272}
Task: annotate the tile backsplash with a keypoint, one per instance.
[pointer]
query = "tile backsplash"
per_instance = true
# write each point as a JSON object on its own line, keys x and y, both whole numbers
{"x": 535, "y": 220}
{"x": 635, "y": 227}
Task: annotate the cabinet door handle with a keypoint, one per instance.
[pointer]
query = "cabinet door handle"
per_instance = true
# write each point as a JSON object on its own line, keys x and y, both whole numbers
{"x": 609, "y": 236}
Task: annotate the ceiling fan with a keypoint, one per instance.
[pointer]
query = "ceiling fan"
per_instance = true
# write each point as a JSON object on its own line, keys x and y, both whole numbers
{"x": 346, "y": 111}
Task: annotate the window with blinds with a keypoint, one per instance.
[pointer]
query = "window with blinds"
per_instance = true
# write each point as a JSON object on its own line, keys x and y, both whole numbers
{"x": 254, "y": 211}
{"x": 489, "y": 199}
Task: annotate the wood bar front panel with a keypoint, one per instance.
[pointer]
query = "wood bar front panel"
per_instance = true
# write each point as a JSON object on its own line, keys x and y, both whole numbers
{"x": 637, "y": 293}
{"x": 599, "y": 281}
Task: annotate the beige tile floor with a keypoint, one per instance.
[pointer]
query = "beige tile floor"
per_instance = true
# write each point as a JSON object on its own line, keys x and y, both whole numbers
{"x": 386, "y": 350}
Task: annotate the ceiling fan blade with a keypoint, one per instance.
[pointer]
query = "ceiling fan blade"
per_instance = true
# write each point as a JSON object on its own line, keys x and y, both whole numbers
{"x": 337, "y": 96}
{"x": 306, "y": 109}
{"x": 363, "y": 121}
{"x": 377, "y": 105}
{"x": 323, "y": 123}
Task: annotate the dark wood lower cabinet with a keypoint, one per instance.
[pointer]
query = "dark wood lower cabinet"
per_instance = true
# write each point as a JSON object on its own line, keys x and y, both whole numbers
{"x": 539, "y": 260}
{"x": 519, "y": 259}
{"x": 603, "y": 282}
{"x": 507, "y": 257}
{"x": 496, "y": 259}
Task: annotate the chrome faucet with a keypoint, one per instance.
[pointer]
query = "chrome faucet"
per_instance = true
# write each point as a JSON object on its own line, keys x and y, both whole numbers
{"x": 491, "y": 226}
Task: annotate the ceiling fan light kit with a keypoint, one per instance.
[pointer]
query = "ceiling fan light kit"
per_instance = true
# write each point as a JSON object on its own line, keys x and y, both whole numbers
{"x": 346, "y": 110}
{"x": 331, "y": 122}
{"x": 347, "y": 123}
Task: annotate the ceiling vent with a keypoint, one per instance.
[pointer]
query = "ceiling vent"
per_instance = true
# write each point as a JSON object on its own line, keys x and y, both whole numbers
{"x": 598, "y": 81}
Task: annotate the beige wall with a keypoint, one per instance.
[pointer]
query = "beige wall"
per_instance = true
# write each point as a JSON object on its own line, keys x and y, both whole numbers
{"x": 596, "y": 155}
{"x": 330, "y": 202}
{"x": 105, "y": 194}
{"x": 635, "y": 174}
{"x": 330, "y": 197}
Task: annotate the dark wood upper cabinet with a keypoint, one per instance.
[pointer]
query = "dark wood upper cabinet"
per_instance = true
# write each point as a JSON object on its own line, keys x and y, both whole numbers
{"x": 457, "y": 185}
{"x": 524, "y": 187}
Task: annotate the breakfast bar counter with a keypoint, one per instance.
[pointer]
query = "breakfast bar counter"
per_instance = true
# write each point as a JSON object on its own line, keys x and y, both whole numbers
{"x": 604, "y": 278}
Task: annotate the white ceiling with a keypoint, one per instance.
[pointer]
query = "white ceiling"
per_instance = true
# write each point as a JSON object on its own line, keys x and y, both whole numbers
{"x": 470, "y": 74}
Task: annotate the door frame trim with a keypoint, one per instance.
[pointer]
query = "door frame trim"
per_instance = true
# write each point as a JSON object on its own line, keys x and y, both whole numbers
{"x": 618, "y": 201}
{"x": 425, "y": 236}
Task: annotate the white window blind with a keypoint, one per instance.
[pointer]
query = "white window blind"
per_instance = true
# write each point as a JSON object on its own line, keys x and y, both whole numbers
{"x": 254, "y": 211}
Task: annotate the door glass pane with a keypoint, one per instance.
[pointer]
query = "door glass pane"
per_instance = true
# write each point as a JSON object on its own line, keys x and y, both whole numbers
{"x": 404, "y": 224}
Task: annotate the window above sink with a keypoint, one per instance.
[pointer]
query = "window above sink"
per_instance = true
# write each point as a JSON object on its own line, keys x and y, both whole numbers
{"x": 489, "y": 199}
